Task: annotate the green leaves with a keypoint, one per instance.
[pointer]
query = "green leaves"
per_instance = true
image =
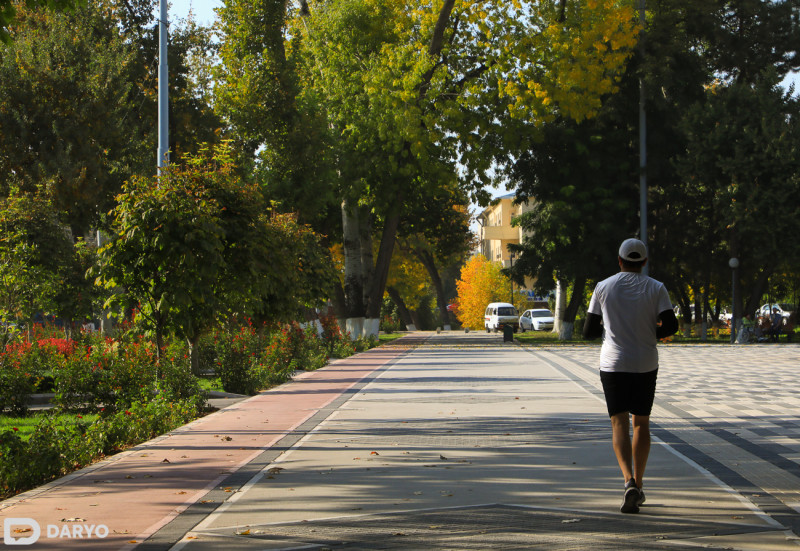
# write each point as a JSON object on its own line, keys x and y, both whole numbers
{"x": 197, "y": 245}
{"x": 37, "y": 260}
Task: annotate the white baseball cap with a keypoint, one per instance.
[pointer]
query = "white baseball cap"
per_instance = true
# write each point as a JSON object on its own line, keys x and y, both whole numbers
{"x": 632, "y": 250}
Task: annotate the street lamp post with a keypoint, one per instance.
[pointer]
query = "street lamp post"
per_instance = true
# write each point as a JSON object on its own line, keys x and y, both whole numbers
{"x": 511, "y": 279}
{"x": 163, "y": 89}
{"x": 734, "y": 264}
{"x": 642, "y": 138}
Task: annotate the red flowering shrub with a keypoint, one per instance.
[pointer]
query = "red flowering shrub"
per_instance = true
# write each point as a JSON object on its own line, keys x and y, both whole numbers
{"x": 19, "y": 374}
{"x": 112, "y": 374}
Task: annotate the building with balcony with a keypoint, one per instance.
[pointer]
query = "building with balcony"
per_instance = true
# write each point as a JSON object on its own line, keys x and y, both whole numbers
{"x": 495, "y": 233}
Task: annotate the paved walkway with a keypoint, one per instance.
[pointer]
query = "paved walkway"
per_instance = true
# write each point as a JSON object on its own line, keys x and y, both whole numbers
{"x": 454, "y": 441}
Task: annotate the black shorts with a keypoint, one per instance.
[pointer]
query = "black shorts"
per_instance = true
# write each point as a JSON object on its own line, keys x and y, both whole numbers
{"x": 633, "y": 392}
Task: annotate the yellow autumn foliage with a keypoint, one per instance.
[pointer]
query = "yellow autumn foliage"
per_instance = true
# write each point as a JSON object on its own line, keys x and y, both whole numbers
{"x": 481, "y": 282}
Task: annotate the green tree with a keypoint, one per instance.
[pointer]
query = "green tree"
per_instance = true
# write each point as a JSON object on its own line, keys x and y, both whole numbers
{"x": 78, "y": 113}
{"x": 67, "y": 111}
{"x": 436, "y": 231}
{"x": 35, "y": 258}
{"x": 198, "y": 245}
{"x": 281, "y": 135}
{"x": 689, "y": 46}
{"x": 580, "y": 179}
{"x": 166, "y": 251}
{"x": 8, "y": 11}
{"x": 576, "y": 168}
{"x": 403, "y": 90}
{"x": 741, "y": 160}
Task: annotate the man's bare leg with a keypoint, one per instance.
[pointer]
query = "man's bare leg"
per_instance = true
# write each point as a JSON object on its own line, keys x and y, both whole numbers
{"x": 641, "y": 446}
{"x": 621, "y": 441}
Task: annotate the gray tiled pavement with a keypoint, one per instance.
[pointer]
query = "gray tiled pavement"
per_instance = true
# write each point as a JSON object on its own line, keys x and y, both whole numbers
{"x": 467, "y": 443}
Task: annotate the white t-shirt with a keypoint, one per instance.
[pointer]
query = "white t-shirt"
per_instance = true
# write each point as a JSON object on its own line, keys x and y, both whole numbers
{"x": 630, "y": 304}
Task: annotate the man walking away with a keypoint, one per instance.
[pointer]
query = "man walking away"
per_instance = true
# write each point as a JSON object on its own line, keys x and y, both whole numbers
{"x": 625, "y": 309}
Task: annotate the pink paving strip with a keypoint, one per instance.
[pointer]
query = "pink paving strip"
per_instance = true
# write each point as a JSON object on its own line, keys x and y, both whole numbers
{"x": 136, "y": 492}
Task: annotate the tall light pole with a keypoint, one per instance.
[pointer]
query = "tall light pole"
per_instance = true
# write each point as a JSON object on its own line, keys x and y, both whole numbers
{"x": 734, "y": 264}
{"x": 511, "y": 279}
{"x": 642, "y": 138}
{"x": 163, "y": 88}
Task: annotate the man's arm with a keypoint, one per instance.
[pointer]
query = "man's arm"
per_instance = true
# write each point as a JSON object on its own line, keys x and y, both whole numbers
{"x": 669, "y": 324}
{"x": 593, "y": 327}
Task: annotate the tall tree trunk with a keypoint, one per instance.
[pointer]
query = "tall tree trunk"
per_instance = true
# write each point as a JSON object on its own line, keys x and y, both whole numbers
{"x": 427, "y": 260}
{"x": 371, "y": 323}
{"x": 194, "y": 354}
{"x": 378, "y": 283}
{"x": 575, "y": 301}
{"x": 353, "y": 270}
{"x": 367, "y": 258}
{"x": 561, "y": 304}
{"x": 758, "y": 288}
{"x": 402, "y": 309}
{"x": 338, "y": 302}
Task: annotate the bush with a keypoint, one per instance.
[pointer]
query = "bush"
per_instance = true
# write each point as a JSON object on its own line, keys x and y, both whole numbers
{"x": 55, "y": 449}
{"x": 19, "y": 376}
{"x": 389, "y": 324}
{"x": 111, "y": 375}
{"x": 176, "y": 382}
{"x": 250, "y": 361}
{"x": 285, "y": 352}
{"x": 75, "y": 381}
{"x": 116, "y": 374}
{"x": 234, "y": 358}
{"x": 315, "y": 352}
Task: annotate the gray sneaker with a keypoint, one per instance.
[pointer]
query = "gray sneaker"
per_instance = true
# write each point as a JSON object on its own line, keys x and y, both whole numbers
{"x": 632, "y": 498}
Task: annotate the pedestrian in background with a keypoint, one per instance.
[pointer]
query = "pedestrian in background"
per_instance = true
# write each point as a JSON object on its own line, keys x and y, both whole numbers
{"x": 626, "y": 309}
{"x": 775, "y": 325}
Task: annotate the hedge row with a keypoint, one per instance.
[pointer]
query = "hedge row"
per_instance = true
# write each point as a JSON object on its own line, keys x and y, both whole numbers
{"x": 57, "y": 448}
{"x": 93, "y": 372}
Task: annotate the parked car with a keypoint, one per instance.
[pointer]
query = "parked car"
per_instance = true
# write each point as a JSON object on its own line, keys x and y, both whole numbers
{"x": 784, "y": 309}
{"x": 499, "y": 314}
{"x": 537, "y": 319}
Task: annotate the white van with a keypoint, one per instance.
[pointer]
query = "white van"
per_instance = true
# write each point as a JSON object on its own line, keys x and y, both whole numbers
{"x": 499, "y": 314}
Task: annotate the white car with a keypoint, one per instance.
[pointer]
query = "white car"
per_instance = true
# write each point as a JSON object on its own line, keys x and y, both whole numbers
{"x": 498, "y": 315}
{"x": 537, "y": 319}
{"x": 784, "y": 310}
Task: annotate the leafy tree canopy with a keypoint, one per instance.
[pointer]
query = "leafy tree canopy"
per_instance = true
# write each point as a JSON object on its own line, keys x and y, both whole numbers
{"x": 8, "y": 11}
{"x": 481, "y": 282}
